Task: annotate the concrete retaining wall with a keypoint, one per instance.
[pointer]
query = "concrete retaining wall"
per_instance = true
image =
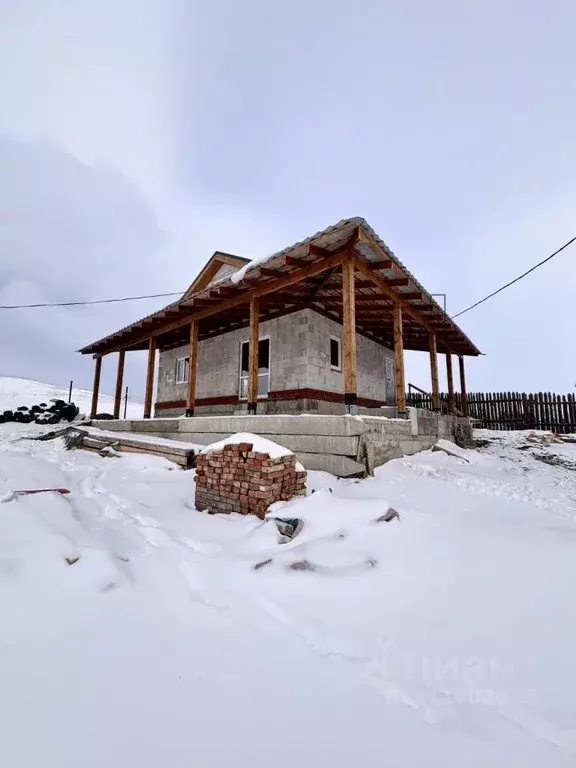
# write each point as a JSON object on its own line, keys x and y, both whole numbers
{"x": 342, "y": 445}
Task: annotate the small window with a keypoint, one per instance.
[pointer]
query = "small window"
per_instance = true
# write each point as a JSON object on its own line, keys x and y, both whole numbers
{"x": 182, "y": 370}
{"x": 335, "y": 353}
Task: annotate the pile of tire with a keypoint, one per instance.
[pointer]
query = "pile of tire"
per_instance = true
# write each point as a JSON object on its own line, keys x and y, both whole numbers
{"x": 42, "y": 413}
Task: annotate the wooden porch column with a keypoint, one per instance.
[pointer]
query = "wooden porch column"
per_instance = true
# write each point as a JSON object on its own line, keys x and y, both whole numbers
{"x": 96, "y": 386}
{"x": 399, "y": 360}
{"x": 150, "y": 377}
{"x": 349, "y": 332}
{"x": 463, "y": 392}
{"x": 451, "y": 401}
{"x": 434, "y": 372}
{"x": 192, "y": 367}
{"x": 119, "y": 377}
{"x": 253, "y": 356}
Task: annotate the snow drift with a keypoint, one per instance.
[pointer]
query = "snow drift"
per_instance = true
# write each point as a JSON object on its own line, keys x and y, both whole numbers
{"x": 137, "y": 631}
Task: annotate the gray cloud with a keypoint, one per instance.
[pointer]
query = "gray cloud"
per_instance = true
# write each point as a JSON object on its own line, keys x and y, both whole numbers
{"x": 141, "y": 137}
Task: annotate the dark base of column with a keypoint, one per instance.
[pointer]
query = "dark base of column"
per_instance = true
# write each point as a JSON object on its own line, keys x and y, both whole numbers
{"x": 189, "y": 412}
{"x": 252, "y": 408}
{"x": 350, "y": 398}
{"x": 401, "y": 414}
{"x": 146, "y": 415}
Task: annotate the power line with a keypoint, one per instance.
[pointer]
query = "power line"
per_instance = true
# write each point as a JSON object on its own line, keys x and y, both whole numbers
{"x": 516, "y": 279}
{"x": 83, "y": 303}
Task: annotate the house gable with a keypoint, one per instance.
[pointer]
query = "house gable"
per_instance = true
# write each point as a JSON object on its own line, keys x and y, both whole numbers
{"x": 220, "y": 265}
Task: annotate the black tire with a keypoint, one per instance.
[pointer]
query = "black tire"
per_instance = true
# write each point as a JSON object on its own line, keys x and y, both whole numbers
{"x": 9, "y": 415}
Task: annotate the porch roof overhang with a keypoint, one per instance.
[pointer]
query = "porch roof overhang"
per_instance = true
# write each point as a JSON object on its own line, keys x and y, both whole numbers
{"x": 305, "y": 274}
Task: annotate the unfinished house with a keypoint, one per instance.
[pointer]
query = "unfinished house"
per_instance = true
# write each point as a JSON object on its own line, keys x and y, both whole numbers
{"x": 317, "y": 328}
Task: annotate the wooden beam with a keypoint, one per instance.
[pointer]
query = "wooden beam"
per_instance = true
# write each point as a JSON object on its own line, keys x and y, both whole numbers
{"x": 378, "y": 280}
{"x": 349, "y": 332}
{"x": 450, "y": 381}
{"x": 413, "y": 296}
{"x": 119, "y": 377}
{"x": 463, "y": 391}
{"x": 399, "y": 360}
{"x": 398, "y": 281}
{"x": 292, "y": 261}
{"x": 269, "y": 272}
{"x": 434, "y": 371}
{"x": 96, "y": 386}
{"x": 192, "y": 368}
{"x": 261, "y": 289}
{"x": 382, "y": 264}
{"x": 150, "y": 378}
{"x": 253, "y": 356}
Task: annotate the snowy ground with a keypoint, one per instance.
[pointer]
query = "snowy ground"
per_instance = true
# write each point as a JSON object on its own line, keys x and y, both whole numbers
{"x": 15, "y": 392}
{"x": 445, "y": 639}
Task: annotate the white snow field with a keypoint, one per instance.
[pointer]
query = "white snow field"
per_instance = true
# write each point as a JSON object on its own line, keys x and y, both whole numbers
{"x": 16, "y": 391}
{"x": 446, "y": 638}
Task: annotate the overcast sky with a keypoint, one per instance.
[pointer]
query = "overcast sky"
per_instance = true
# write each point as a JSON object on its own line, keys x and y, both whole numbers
{"x": 138, "y": 136}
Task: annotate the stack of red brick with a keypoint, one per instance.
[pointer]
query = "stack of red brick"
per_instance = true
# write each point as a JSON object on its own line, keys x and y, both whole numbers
{"x": 239, "y": 479}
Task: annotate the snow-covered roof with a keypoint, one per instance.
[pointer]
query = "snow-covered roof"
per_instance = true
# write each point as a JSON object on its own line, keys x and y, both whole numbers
{"x": 210, "y": 302}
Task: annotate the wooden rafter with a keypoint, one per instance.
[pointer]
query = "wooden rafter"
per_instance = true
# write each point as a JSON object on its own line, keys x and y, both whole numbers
{"x": 261, "y": 289}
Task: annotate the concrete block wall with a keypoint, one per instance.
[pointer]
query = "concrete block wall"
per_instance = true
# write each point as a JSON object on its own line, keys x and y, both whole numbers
{"x": 371, "y": 362}
{"x": 219, "y": 362}
{"x": 299, "y": 359}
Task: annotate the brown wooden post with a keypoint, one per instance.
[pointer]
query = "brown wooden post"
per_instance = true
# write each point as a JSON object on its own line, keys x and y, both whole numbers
{"x": 450, "y": 380}
{"x": 399, "y": 360}
{"x": 349, "y": 332}
{"x": 434, "y": 371}
{"x": 253, "y": 356}
{"x": 96, "y": 387}
{"x": 119, "y": 377}
{"x": 192, "y": 367}
{"x": 463, "y": 385}
{"x": 150, "y": 377}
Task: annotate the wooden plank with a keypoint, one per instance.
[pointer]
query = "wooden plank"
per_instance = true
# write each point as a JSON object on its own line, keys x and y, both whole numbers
{"x": 119, "y": 378}
{"x": 150, "y": 378}
{"x": 565, "y": 416}
{"x": 434, "y": 371}
{"x": 96, "y": 386}
{"x": 349, "y": 331}
{"x": 399, "y": 360}
{"x": 463, "y": 392}
{"x": 450, "y": 380}
{"x": 192, "y": 368}
{"x": 253, "y": 356}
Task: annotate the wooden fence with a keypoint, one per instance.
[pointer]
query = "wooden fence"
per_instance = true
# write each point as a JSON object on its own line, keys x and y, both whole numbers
{"x": 511, "y": 410}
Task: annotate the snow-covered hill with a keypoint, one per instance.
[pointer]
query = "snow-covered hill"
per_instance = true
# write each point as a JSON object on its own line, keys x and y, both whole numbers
{"x": 15, "y": 392}
{"x": 444, "y": 639}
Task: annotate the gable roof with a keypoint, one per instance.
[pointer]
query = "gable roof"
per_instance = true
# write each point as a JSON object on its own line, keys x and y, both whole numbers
{"x": 220, "y": 305}
{"x": 210, "y": 270}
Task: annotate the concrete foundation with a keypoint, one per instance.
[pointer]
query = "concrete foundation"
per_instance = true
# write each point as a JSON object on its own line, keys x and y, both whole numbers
{"x": 342, "y": 445}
